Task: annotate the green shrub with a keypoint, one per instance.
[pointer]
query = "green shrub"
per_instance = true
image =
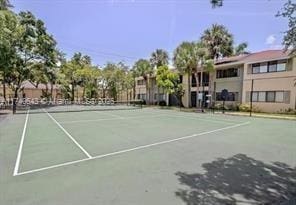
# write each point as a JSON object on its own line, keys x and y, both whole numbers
{"x": 244, "y": 107}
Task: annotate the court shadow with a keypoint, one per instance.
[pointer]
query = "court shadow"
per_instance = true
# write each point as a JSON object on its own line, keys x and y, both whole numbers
{"x": 239, "y": 180}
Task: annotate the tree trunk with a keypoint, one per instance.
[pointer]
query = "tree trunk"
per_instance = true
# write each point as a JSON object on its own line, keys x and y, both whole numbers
{"x": 51, "y": 90}
{"x": 197, "y": 87}
{"x": 134, "y": 90}
{"x": 4, "y": 91}
{"x": 157, "y": 95}
{"x": 104, "y": 93}
{"x": 189, "y": 88}
{"x": 14, "y": 100}
{"x": 72, "y": 93}
{"x": 46, "y": 91}
{"x": 83, "y": 92}
{"x": 4, "y": 87}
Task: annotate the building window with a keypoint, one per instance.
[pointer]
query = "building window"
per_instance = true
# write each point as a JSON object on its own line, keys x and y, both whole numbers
{"x": 140, "y": 82}
{"x": 279, "y": 96}
{"x": 272, "y": 66}
{"x": 141, "y": 96}
{"x": 232, "y": 96}
{"x": 256, "y": 68}
{"x": 255, "y": 96}
{"x": 227, "y": 73}
{"x": 268, "y": 96}
{"x": 161, "y": 96}
{"x": 264, "y": 68}
{"x": 261, "y": 96}
{"x": 281, "y": 66}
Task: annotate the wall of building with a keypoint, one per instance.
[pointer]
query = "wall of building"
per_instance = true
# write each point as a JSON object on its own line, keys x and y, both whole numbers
{"x": 275, "y": 81}
{"x": 232, "y": 84}
{"x": 150, "y": 95}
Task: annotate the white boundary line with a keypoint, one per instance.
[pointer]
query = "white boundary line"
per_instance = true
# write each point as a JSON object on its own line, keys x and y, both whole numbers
{"x": 197, "y": 115}
{"x": 19, "y": 153}
{"x": 68, "y": 134}
{"x": 201, "y": 119}
{"x": 133, "y": 149}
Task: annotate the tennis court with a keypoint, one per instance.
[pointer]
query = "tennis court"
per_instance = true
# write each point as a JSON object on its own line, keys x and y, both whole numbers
{"x": 132, "y": 156}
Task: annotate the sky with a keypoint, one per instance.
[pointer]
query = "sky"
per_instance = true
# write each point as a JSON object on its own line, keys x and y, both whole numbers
{"x": 126, "y": 30}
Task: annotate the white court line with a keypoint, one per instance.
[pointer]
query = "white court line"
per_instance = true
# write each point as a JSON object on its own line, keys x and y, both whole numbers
{"x": 19, "y": 154}
{"x": 201, "y": 119}
{"x": 68, "y": 134}
{"x": 192, "y": 116}
{"x": 108, "y": 119}
{"x": 133, "y": 149}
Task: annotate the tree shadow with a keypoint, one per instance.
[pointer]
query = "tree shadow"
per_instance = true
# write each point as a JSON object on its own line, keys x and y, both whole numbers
{"x": 239, "y": 180}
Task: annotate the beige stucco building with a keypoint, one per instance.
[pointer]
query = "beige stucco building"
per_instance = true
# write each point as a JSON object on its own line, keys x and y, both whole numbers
{"x": 273, "y": 73}
{"x": 29, "y": 90}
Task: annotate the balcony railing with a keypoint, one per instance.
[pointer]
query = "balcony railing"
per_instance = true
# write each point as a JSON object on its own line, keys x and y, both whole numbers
{"x": 204, "y": 84}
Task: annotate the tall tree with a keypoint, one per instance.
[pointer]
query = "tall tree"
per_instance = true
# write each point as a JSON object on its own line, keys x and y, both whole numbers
{"x": 167, "y": 80}
{"x": 31, "y": 45}
{"x": 9, "y": 33}
{"x": 205, "y": 65}
{"x": 129, "y": 82}
{"x": 5, "y": 4}
{"x": 89, "y": 76}
{"x": 186, "y": 60}
{"x": 143, "y": 68}
{"x": 289, "y": 12}
{"x": 158, "y": 58}
{"x": 75, "y": 72}
{"x": 216, "y": 3}
{"x": 218, "y": 41}
{"x": 241, "y": 49}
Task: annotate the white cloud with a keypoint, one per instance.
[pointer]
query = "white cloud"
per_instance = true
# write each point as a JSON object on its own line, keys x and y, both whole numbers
{"x": 270, "y": 40}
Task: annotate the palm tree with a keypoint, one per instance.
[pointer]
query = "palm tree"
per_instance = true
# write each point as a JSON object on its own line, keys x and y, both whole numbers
{"x": 185, "y": 60}
{"x": 218, "y": 41}
{"x": 159, "y": 58}
{"x": 216, "y": 3}
{"x": 5, "y": 4}
{"x": 240, "y": 49}
{"x": 143, "y": 68}
{"x": 204, "y": 64}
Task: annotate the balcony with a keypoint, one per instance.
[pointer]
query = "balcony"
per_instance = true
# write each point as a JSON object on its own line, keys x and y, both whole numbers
{"x": 205, "y": 84}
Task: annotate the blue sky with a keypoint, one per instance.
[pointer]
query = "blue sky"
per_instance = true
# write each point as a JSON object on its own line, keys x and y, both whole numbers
{"x": 126, "y": 30}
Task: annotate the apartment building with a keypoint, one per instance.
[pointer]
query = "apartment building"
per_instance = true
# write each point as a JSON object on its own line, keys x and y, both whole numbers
{"x": 269, "y": 75}
{"x": 28, "y": 90}
{"x": 147, "y": 90}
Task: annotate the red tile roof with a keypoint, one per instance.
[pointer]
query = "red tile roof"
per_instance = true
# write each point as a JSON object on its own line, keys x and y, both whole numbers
{"x": 28, "y": 85}
{"x": 231, "y": 59}
{"x": 255, "y": 57}
{"x": 266, "y": 56}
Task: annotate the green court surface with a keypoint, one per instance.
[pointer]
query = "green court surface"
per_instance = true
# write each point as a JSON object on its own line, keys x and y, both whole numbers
{"x": 145, "y": 156}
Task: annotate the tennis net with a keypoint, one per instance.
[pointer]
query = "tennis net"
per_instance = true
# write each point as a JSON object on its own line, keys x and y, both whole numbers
{"x": 80, "y": 106}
